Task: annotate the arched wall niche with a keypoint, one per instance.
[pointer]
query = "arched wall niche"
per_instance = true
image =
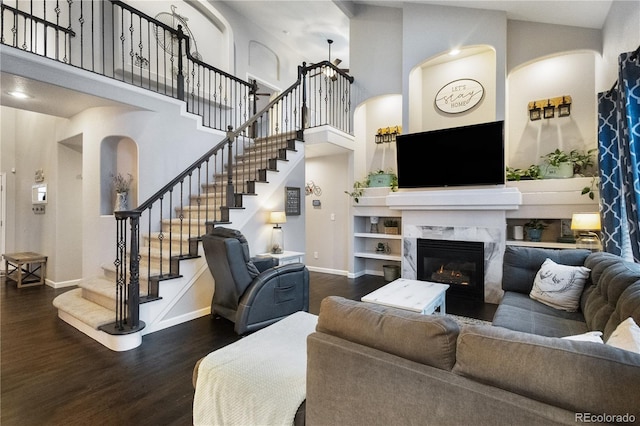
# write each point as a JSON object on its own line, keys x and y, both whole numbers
{"x": 264, "y": 58}
{"x": 118, "y": 154}
{"x": 571, "y": 73}
{"x": 477, "y": 63}
{"x": 371, "y": 115}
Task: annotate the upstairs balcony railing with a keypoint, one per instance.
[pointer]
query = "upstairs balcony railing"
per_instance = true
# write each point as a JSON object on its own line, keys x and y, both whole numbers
{"x": 113, "y": 39}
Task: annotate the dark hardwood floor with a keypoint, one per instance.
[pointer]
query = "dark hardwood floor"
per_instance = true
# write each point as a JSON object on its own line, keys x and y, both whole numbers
{"x": 52, "y": 374}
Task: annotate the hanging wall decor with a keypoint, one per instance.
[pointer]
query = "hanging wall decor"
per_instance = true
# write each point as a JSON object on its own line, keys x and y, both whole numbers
{"x": 459, "y": 96}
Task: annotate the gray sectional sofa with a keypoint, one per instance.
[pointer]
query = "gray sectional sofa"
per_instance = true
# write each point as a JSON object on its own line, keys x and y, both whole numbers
{"x": 368, "y": 364}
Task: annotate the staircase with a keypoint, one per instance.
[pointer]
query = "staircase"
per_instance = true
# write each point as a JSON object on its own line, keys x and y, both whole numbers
{"x": 92, "y": 306}
{"x": 158, "y": 267}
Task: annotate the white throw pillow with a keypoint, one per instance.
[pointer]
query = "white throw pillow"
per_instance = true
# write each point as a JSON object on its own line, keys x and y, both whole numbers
{"x": 626, "y": 336}
{"x": 559, "y": 286}
{"x": 589, "y": 336}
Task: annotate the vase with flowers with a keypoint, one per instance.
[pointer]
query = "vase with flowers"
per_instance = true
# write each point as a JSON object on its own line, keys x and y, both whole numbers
{"x": 122, "y": 186}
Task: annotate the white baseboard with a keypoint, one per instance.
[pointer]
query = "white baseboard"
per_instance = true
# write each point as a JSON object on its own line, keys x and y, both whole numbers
{"x": 62, "y": 284}
{"x": 328, "y": 271}
{"x": 161, "y": 325}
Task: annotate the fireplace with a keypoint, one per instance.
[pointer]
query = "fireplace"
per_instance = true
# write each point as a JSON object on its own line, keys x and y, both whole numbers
{"x": 457, "y": 263}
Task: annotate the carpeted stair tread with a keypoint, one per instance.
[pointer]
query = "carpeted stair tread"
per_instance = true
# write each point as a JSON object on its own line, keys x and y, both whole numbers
{"x": 84, "y": 310}
{"x": 100, "y": 291}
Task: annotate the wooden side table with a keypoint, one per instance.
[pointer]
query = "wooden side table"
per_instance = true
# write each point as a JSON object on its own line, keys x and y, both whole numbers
{"x": 27, "y": 268}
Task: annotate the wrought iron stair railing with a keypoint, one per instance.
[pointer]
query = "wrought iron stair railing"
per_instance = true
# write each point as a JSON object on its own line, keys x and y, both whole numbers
{"x": 203, "y": 195}
{"x": 153, "y": 238}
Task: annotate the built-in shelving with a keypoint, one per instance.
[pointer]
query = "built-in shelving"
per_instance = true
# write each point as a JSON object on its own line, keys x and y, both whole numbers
{"x": 366, "y": 258}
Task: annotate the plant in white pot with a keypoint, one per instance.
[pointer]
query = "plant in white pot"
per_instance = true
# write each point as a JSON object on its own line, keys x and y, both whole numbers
{"x": 559, "y": 164}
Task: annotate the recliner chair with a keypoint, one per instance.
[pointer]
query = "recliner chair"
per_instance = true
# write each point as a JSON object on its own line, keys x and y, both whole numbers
{"x": 252, "y": 292}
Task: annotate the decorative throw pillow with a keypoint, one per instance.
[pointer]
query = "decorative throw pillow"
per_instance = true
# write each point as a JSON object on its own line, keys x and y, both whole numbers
{"x": 626, "y": 336}
{"x": 559, "y": 286}
{"x": 589, "y": 336}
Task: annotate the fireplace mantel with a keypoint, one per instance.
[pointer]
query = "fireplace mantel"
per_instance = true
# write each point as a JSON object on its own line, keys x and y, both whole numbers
{"x": 500, "y": 198}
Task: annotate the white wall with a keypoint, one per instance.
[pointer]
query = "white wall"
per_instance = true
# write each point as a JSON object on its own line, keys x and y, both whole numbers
{"x": 244, "y": 34}
{"x": 530, "y": 41}
{"x": 621, "y": 34}
{"x": 375, "y": 50}
{"x": 326, "y": 236}
{"x": 69, "y": 234}
{"x": 29, "y": 143}
{"x": 528, "y": 140}
{"x": 429, "y": 30}
{"x": 480, "y": 67}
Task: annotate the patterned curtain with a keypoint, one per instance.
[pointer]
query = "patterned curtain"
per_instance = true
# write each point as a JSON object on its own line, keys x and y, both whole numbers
{"x": 619, "y": 149}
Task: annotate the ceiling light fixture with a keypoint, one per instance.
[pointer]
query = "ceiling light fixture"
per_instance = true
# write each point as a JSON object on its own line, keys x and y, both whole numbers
{"x": 454, "y": 52}
{"x": 18, "y": 94}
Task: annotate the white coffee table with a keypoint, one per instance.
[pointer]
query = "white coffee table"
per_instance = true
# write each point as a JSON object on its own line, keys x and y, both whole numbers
{"x": 418, "y": 296}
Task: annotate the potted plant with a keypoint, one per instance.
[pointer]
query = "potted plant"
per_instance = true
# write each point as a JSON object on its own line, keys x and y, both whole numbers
{"x": 534, "y": 228}
{"x": 121, "y": 186}
{"x": 391, "y": 226}
{"x": 532, "y": 172}
{"x": 559, "y": 164}
{"x": 358, "y": 189}
{"x": 582, "y": 161}
{"x": 379, "y": 178}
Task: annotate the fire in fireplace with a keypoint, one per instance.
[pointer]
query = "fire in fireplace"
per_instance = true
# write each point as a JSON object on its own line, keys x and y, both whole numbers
{"x": 457, "y": 263}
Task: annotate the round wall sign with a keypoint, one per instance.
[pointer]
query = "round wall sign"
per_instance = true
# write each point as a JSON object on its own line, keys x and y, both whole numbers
{"x": 459, "y": 96}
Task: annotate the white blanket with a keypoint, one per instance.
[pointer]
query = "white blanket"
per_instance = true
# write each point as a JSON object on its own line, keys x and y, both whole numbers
{"x": 258, "y": 380}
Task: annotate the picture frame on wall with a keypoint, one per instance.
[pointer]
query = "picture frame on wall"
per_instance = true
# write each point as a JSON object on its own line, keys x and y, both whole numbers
{"x": 292, "y": 201}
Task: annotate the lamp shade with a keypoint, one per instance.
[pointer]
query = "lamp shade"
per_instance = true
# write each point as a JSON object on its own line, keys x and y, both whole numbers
{"x": 585, "y": 222}
{"x": 277, "y": 217}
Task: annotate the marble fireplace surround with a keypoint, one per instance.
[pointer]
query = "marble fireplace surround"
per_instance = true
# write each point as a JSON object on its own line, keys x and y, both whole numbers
{"x": 457, "y": 214}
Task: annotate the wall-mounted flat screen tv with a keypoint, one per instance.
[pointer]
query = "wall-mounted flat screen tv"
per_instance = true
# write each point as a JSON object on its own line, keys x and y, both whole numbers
{"x": 461, "y": 156}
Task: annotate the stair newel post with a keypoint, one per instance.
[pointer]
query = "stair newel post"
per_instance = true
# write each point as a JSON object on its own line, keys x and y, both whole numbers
{"x": 134, "y": 272}
{"x": 120, "y": 263}
{"x": 180, "y": 76}
{"x": 127, "y": 294}
{"x": 302, "y": 71}
{"x": 230, "y": 198}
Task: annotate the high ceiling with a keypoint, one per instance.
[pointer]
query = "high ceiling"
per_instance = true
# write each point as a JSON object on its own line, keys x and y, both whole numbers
{"x": 305, "y": 25}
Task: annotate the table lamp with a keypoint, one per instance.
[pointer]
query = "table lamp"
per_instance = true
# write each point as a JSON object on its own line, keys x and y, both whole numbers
{"x": 587, "y": 224}
{"x": 277, "y": 236}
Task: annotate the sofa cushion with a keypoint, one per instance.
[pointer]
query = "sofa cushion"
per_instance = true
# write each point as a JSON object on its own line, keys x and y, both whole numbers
{"x": 574, "y": 375}
{"x": 615, "y": 295}
{"x": 427, "y": 339}
{"x": 521, "y": 313}
{"x": 559, "y": 286}
{"x": 589, "y": 336}
{"x": 521, "y": 264}
{"x": 626, "y": 336}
